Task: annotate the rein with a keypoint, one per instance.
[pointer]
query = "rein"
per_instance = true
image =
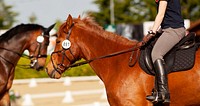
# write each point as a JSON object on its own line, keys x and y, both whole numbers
{"x": 110, "y": 55}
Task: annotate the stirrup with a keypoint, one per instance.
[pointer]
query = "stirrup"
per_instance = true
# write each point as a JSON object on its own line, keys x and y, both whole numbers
{"x": 154, "y": 97}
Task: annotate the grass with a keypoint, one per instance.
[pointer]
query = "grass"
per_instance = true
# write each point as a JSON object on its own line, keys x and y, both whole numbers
{"x": 23, "y": 71}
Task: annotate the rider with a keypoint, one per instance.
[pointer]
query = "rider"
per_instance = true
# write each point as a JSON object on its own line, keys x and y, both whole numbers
{"x": 172, "y": 25}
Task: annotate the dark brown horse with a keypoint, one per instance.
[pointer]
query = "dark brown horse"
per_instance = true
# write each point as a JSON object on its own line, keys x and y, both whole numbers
{"x": 35, "y": 39}
{"x": 125, "y": 86}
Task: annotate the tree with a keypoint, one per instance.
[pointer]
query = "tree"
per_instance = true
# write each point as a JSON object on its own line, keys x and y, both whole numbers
{"x": 7, "y": 17}
{"x": 138, "y": 11}
{"x": 58, "y": 24}
{"x": 32, "y": 18}
{"x": 126, "y": 11}
{"x": 191, "y": 9}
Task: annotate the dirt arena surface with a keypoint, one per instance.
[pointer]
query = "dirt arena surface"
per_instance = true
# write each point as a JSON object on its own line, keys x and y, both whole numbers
{"x": 82, "y": 93}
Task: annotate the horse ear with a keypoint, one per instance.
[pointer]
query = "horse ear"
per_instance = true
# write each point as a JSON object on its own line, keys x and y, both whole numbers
{"x": 69, "y": 21}
{"x": 47, "y": 30}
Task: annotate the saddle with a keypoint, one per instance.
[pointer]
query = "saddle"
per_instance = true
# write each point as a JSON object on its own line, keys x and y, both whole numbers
{"x": 180, "y": 58}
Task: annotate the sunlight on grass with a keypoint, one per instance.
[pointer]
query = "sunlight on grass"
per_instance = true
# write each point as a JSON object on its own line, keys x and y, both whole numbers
{"x": 23, "y": 70}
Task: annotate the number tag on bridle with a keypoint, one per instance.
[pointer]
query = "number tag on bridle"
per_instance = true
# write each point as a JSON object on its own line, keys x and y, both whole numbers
{"x": 40, "y": 39}
{"x": 66, "y": 44}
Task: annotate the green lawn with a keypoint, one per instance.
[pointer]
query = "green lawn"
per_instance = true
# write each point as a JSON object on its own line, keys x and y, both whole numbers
{"x": 23, "y": 70}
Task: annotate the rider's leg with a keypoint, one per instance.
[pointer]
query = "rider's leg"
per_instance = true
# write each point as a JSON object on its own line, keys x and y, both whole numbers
{"x": 167, "y": 40}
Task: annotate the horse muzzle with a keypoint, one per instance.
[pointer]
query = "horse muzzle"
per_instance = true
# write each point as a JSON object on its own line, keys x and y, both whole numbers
{"x": 34, "y": 64}
{"x": 56, "y": 74}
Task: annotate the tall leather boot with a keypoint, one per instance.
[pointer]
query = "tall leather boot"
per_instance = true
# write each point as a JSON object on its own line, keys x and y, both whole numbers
{"x": 154, "y": 94}
{"x": 162, "y": 94}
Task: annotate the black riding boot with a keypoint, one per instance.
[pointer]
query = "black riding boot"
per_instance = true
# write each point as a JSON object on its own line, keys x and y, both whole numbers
{"x": 162, "y": 94}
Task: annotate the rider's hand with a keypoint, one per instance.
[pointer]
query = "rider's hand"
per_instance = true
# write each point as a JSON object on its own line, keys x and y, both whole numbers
{"x": 149, "y": 36}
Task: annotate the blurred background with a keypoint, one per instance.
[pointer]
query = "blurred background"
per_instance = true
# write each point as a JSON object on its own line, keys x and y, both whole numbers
{"x": 79, "y": 86}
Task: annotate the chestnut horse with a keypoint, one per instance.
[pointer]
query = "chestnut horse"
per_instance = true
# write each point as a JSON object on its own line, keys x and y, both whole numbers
{"x": 195, "y": 27}
{"x": 34, "y": 38}
{"x": 125, "y": 86}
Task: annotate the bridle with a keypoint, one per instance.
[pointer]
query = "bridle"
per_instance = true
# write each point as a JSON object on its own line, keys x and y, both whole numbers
{"x": 61, "y": 65}
{"x": 39, "y": 47}
{"x": 30, "y": 57}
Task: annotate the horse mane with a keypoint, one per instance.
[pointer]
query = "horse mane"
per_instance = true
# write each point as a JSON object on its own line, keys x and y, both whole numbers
{"x": 19, "y": 29}
{"x": 95, "y": 27}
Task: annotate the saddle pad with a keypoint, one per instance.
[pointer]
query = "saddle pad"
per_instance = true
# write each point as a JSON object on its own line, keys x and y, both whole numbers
{"x": 176, "y": 59}
{"x": 184, "y": 59}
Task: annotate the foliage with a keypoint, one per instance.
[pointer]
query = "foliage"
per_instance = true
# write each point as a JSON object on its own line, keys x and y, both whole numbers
{"x": 126, "y": 11}
{"x": 191, "y": 9}
{"x": 33, "y": 18}
{"x": 138, "y": 11}
{"x": 23, "y": 71}
{"x": 58, "y": 24}
{"x": 7, "y": 16}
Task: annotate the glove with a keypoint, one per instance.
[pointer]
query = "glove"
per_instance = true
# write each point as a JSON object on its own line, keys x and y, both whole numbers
{"x": 145, "y": 40}
{"x": 148, "y": 37}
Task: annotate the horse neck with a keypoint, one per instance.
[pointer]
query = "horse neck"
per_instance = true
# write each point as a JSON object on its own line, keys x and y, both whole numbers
{"x": 98, "y": 44}
{"x": 13, "y": 48}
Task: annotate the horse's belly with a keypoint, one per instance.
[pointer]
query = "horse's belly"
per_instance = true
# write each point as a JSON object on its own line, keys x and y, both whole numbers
{"x": 185, "y": 87}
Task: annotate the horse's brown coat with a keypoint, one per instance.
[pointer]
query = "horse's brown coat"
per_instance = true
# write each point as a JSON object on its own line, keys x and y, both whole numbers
{"x": 12, "y": 45}
{"x": 125, "y": 86}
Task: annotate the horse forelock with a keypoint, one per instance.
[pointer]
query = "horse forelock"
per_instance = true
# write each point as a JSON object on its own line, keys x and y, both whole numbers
{"x": 19, "y": 29}
{"x": 89, "y": 24}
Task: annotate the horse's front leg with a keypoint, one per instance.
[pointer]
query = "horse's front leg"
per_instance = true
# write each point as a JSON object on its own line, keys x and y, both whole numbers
{"x": 5, "y": 84}
{"x": 4, "y": 93}
{"x": 5, "y": 99}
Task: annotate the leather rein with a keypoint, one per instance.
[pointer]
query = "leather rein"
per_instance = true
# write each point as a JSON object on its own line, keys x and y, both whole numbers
{"x": 63, "y": 67}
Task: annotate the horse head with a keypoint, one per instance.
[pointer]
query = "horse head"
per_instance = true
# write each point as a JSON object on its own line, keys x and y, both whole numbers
{"x": 66, "y": 51}
{"x": 38, "y": 48}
